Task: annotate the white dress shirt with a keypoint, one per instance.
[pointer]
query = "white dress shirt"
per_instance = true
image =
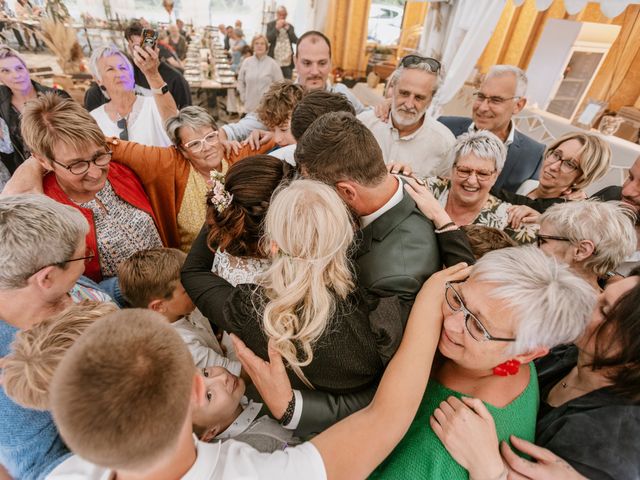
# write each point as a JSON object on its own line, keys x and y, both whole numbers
{"x": 220, "y": 461}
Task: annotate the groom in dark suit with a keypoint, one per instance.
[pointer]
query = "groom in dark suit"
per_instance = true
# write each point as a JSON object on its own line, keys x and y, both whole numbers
{"x": 397, "y": 248}
{"x": 502, "y": 95}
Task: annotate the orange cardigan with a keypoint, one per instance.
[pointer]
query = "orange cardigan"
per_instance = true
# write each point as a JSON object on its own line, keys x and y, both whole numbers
{"x": 164, "y": 172}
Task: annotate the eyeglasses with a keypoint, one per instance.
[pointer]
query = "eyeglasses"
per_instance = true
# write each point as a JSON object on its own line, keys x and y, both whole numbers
{"x": 474, "y": 326}
{"x": 542, "y": 239}
{"x": 197, "y": 146}
{"x": 481, "y": 175}
{"x": 567, "y": 165}
{"x": 493, "y": 100}
{"x": 100, "y": 159}
{"x": 413, "y": 59}
{"x": 122, "y": 125}
{"x": 89, "y": 255}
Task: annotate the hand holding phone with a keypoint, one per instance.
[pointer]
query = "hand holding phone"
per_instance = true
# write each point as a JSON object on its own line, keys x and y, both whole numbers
{"x": 149, "y": 38}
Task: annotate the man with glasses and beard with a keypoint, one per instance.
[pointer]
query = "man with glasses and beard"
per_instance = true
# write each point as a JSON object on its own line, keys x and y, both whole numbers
{"x": 409, "y": 136}
{"x": 502, "y": 95}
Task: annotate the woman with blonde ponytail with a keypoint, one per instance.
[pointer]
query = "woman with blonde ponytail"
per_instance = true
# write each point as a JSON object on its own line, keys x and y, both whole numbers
{"x": 305, "y": 306}
{"x": 310, "y": 231}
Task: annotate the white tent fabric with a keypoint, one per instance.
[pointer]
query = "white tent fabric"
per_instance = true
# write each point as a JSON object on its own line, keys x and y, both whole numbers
{"x": 609, "y": 8}
{"x": 457, "y": 33}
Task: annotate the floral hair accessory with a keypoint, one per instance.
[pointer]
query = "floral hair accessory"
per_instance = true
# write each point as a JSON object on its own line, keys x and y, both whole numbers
{"x": 219, "y": 198}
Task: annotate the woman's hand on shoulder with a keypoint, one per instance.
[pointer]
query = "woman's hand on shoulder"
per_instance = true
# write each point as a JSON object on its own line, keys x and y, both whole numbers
{"x": 519, "y": 214}
{"x": 468, "y": 432}
{"x": 270, "y": 378}
{"x": 426, "y": 202}
{"x": 547, "y": 465}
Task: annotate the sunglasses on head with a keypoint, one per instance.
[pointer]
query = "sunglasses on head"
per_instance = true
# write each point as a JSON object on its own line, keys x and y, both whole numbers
{"x": 413, "y": 59}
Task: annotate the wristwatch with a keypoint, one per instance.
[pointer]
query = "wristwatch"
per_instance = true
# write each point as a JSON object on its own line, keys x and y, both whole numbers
{"x": 160, "y": 91}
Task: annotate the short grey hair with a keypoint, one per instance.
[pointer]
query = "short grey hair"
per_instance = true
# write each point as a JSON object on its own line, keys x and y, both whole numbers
{"x": 192, "y": 117}
{"x": 550, "y": 303}
{"x": 609, "y": 225}
{"x": 102, "y": 52}
{"x": 482, "y": 144}
{"x": 425, "y": 67}
{"x": 36, "y": 231}
{"x": 521, "y": 77}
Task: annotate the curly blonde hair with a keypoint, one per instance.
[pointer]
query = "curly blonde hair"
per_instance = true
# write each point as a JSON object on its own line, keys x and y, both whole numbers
{"x": 312, "y": 229}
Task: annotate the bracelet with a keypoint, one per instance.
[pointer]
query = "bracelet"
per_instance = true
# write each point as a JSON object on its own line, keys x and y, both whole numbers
{"x": 446, "y": 227}
{"x": 288, "y": 413}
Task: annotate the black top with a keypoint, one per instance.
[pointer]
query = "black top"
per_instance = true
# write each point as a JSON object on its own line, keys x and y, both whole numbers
{"x": 178, "y": 86}
{"x": 541, "y": 204}
{"x": 12, "y": 118}
{"x": 346, "y": 358}
{"x": 597, "y": 433}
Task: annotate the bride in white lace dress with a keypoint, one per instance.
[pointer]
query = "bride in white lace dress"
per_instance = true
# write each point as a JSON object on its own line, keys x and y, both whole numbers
{"x": 236, "y": 208}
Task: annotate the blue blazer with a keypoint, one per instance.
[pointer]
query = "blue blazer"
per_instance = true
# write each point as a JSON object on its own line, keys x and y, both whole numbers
{"x": 524, "y": 155}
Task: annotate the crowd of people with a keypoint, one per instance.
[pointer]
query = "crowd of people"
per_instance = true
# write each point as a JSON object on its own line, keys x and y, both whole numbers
{"x": 320, "y": 290}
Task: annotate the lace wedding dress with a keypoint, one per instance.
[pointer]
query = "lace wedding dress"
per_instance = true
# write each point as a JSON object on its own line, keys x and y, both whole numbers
{"x": 237, "y": 270}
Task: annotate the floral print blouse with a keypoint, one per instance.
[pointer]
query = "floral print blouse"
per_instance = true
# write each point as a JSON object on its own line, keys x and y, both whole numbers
{"x": 493, "y": 214}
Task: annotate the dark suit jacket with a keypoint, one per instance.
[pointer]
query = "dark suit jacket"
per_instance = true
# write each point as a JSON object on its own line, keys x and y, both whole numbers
{"x": 524, "y": 155}
{"x": 397, "y": 253}
{"x": 272, "y": 36}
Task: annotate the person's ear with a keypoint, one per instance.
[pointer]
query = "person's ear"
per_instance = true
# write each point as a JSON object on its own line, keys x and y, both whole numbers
{"x": 520, "y": 104}
{"x": 531, "y": 355}
{"x": 584, "y": 250}
{"x": 347, "y": 191}
{"x": 44, "y": 163}
{"x": 44, "y": 278}
{"x": 198, "y": 390}
{"x": 158, "y": 305}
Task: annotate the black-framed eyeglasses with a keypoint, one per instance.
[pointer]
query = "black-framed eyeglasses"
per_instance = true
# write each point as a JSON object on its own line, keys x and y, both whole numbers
{"x": 89, "y": 254}
{"x": 413, "y": 59}
{"x": 567, "y": 165}
{"x": 474, "y": 326}
{"x": 122, "y": 125}
{"x": 197, "y": 146}
{"x": 542, "y": 239}
{"x": 494, "y": 99}
{"x": 481, "y": 175}
{"x": 100, "y": 159}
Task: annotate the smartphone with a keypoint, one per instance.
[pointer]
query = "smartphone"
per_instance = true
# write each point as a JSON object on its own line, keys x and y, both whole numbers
{"x": 149, "y": 38}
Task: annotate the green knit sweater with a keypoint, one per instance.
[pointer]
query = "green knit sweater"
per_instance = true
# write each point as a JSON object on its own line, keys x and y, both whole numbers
{"x": 421, "y": 455}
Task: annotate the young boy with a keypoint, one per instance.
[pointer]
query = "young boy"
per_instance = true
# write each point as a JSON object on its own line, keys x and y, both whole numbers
{"x": 151, "y": 279}
{"x": 223, "y": 411}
